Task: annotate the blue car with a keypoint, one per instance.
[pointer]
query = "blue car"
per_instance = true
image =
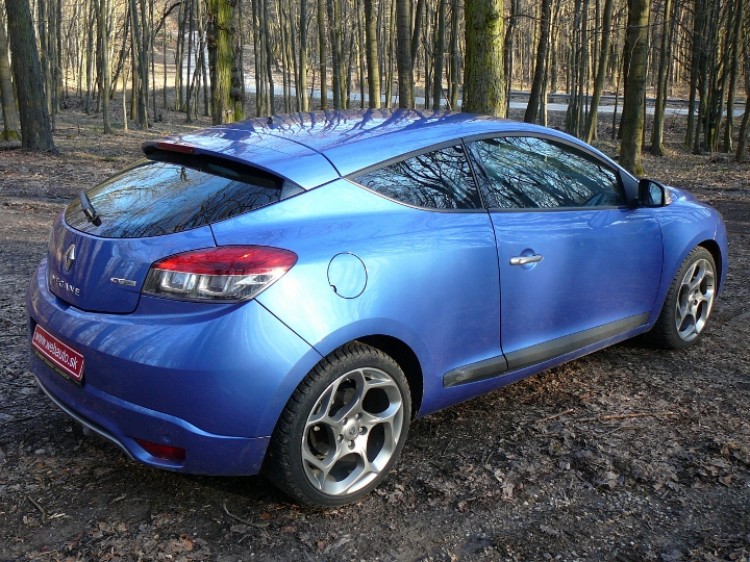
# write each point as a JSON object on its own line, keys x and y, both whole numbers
{"x": 284, "y": 296}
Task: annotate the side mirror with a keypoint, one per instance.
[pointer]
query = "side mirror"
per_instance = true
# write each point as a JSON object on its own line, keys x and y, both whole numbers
{"x": 652, "y": 194}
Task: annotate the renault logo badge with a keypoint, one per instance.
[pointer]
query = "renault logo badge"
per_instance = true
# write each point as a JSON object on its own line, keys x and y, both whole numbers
{"x": 70, "y": 257}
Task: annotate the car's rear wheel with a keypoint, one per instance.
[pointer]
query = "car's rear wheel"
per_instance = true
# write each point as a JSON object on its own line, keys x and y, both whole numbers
{"x": 343, "y": 428}
{"x": 689, "y": 302}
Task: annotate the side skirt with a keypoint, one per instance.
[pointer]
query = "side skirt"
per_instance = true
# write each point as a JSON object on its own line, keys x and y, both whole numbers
{"x": 504, "y": 365}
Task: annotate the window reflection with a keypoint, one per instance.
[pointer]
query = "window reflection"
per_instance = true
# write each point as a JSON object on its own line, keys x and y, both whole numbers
{"x": 156, "y": 198}
{"x": 436, "y": 180}
{"x": 529, "y": 172}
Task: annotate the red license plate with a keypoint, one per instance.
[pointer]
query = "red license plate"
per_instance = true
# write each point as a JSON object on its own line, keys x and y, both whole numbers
{"x": 64, "y": 359}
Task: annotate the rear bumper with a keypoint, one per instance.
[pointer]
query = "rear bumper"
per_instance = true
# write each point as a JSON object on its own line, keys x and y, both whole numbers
{"x": 114, "y": 420}
{"x": 211, "y": 380}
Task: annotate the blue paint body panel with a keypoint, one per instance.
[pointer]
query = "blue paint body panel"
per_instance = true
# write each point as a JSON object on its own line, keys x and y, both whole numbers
{"x": 598, "y": 266}
{"x": 89, "y": 285}
{"x": 203, "y": 373}
{"x": 214, "y": 378}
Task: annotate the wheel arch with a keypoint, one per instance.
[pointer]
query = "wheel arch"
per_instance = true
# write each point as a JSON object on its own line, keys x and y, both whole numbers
{"x": 713, "y": 248}
{"x": 402, "y": 354}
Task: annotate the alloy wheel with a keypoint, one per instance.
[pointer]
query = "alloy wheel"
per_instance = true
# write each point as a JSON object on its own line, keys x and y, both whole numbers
{"x": 352, "y": 431}
{"x": 695, "y": 299}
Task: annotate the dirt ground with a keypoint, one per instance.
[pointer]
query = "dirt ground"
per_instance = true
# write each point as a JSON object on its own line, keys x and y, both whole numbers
{"x": 630, "y": 454}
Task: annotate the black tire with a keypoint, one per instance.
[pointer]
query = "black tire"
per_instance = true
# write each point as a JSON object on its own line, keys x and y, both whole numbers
{"x": 342, "y": 430}
{"x": 689, "y": 302}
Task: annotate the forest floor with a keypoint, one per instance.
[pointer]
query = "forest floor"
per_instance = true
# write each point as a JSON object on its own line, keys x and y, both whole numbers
{"x": 630, "y": 454}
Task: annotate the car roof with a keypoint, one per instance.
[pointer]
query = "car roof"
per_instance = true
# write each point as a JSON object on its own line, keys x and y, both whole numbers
{"x": 317, "y": 147}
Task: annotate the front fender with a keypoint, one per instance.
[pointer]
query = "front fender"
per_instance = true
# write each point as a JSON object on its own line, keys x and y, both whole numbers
{"x": 685, "y": 225}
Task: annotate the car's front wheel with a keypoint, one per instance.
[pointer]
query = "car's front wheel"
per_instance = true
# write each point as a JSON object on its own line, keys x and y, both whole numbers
{"x": 343, "y": 428}
{"x": 688, "y": 303}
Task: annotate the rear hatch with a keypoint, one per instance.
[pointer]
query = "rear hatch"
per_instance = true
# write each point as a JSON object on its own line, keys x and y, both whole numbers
{"x": 103, "y": 245}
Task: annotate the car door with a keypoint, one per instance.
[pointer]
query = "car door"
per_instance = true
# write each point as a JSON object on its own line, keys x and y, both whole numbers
{"x": 577, "y": 266}
{"x": 441, "y": 252}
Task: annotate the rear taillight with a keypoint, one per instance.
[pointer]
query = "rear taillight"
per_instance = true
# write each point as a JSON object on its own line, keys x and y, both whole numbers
{"x": 227, "y": 274}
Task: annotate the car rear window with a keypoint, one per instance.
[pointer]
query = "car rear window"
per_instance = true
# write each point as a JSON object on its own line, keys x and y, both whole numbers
{"x": 173, "y": 194}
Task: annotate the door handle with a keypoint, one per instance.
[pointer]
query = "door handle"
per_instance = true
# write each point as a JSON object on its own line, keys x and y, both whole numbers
{"x": 524, "y": 260}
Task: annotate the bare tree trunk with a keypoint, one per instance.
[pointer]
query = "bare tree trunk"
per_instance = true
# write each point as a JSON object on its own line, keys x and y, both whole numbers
{"x": 104, "y": 27}
{"x": 190, "y": 57}
{"x": 403, "y": 54}
{"x": 455, "y": 58}
{"x": 258, "y": 39}
{"x": 286, "y": 86}
{"x": 734, "y": 43}
{"x": 36, "y": 132}
{"x": 124, "y": 101}
{"x": 665, "y": 59}
{"x": 57, "y": 59}
{"x": 484, "y": 80}
{"x": 164, "y": 65}
{"x": 302, "y": 75}
{"x": 323, "y": 54}
{"x": 269, "y": 58}
{"x": 337, "y": 54}
{"x": 140, "y": 67}
{"x": 540, "y": 69}
{"x": 508, "y": 47}
{"x": 389, "y": 73}
{"x": 371, "y": 50}
{"x": 352, "y": 50}
{"x": 44, "y": 38}
{"x": 11, "y": 125}
{"x": 601, "y": 71}
{"x": 712, "y": 98}
{"x": 696, "y": 67}
{"x": 202, "y": 63}
{"x": 91, "y": 38}
{"x": 439, "y": 57}
{"x": 361, "y": 58}
{"x": 416, "y": 33}
{"x": 237, "y": 90}
{"x": 182, "y": 21}
{"x": 741, "y": 154}
{"x": 219, "y": 14}
{"x": 579, "y": 64}
{"x": 633, "y": 111}
{"x": 151, "y": 58}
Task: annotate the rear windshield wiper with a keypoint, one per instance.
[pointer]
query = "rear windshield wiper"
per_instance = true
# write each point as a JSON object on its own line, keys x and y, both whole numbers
{"x": 88, "y": 209}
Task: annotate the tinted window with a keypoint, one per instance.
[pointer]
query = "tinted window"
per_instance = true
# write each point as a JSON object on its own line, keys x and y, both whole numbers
{"x": 437, "y": 180}
{"x": 529, "y": 172}
{"x": 154, "y": 198}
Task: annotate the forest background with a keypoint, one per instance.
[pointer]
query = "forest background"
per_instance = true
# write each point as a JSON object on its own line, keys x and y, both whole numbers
{"x": 231, "y": 59}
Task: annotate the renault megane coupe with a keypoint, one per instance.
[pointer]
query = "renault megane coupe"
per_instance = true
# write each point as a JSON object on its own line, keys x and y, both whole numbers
{"x": 284, "y": 296}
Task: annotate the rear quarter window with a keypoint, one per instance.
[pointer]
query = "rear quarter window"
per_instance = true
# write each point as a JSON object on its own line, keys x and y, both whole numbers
{"x": 162, "y": 197}
{"x": 440, "y": 179}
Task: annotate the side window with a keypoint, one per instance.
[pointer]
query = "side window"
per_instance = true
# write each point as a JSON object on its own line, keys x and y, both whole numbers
{"x": 534, "y": 173}
{"x": 436, "y": 180}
